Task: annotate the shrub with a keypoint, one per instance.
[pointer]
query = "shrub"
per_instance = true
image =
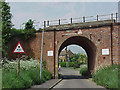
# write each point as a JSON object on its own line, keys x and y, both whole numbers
{"x": 107, "y": 77}
{"x": 84, "y": 71}
{"x": 76, "y": 64}
{"x": 62, "y": 64}
{"x": 44, "y": 64}
{"x": 23, "y": 33}
{"x": 70, "y": 64}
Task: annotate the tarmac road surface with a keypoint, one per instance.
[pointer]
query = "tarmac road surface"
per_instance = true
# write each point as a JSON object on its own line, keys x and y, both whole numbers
{"x": 72, "y": 79}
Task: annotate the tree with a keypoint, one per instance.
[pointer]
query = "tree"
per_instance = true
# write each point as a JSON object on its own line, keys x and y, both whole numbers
{"x": 8, "y": 32}
{"x": 0, "y": 30}
{"x": 6, "y": 20}
{"x": 29, "y": 24}
{"x": 6, "y": 25}
{"x": 82, "y": 58}
{"x": 29, "y": 29}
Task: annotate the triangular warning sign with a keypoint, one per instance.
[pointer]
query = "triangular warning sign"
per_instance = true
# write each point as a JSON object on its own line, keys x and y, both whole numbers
{"x": 18, "y": 49}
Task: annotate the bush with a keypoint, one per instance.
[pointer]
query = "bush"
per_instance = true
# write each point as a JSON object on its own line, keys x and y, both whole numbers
{"x": 23, "y": 33}
{"x": 44, "y": 64}
{"x": 62, "y": 64}
{"x": 107, "y": 77}
{"x": 76, "y": 64}
{"x": 29, "y": 74}
{"x": 70, "y": 64}
{"x": 84, "y": 71}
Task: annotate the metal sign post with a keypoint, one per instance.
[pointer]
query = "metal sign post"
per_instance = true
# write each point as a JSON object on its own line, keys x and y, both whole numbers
{"x": 18, "y": 70}
{"x": 42, "y": 52}
{"x": 119, "y": 11}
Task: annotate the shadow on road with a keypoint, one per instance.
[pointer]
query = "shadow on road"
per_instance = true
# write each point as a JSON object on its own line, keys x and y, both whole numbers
{"x": 72, "y": 77}
{"x": 66, "y": 73}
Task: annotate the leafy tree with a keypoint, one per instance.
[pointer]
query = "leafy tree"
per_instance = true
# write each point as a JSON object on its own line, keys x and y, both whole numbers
{"x": 75, "y": 57}
{"x": 29, "y": 24}
{"x": 8, "y": 32}
{"x": 29, "y": 29}
{"x": 6, "y": 20}
{"x": 79, "y": 59}
{"x": 82, "y": 58}
{"x": 6, "y": 25}
{"x": 0, "y": 29}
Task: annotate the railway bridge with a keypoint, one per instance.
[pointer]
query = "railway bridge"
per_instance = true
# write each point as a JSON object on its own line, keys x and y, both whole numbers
{"x": 100, "y": 40}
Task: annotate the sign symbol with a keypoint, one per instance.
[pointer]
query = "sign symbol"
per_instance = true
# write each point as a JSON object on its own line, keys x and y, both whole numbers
{"x": 18, "y": 48}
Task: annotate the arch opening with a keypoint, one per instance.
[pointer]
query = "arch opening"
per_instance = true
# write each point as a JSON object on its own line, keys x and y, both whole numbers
{"x": 87, "y": 45}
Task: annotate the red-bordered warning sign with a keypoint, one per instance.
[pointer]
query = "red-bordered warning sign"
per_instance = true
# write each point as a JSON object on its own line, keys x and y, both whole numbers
{"x": 18, "y": 49}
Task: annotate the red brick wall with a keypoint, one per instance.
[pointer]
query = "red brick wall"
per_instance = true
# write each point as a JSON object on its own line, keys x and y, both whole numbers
{"x": 32, "y": 47}
{"x": 119, "y": 44}
{"x": 115, "y": 44}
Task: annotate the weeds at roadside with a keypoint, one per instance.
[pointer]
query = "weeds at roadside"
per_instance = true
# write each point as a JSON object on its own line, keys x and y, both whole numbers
{"x": 29, "y": 74}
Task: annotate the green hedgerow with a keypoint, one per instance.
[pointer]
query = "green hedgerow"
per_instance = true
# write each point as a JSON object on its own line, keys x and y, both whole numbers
{"x": 62, "y": 64}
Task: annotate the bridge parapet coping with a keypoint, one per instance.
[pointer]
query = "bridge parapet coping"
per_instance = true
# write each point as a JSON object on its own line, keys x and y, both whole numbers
{"x": 80, "y": 25}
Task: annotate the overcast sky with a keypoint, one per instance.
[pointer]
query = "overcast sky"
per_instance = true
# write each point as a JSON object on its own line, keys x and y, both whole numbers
{"x": 41, "y": 11}
{"x": 75, "y": 49}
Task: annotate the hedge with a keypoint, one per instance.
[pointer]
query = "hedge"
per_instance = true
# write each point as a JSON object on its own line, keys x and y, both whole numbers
{"x": 63, "y": 64}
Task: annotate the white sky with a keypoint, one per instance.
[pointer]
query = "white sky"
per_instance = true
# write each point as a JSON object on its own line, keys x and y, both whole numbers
{"x": 23, "y": 10}
{"x": 75, "y": 49}
{"x": 62, "y": 0}
{"x": 41, "y": 11}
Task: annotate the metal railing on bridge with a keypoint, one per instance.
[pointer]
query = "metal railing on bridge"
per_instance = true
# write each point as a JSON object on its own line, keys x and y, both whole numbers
{"x": 112, "y": 16}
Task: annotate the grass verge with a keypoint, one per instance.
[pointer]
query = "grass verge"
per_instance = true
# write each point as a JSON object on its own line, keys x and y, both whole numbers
{"x": 29, "y": 74}
{"x": 108, "y": 77}
{"x": 0, "y": 79}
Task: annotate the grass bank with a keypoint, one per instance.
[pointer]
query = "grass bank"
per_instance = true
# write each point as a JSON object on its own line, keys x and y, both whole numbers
{"x": 0, "y": 78}
{"x": 29, "y": 74}
{"x": 108, "y": 77}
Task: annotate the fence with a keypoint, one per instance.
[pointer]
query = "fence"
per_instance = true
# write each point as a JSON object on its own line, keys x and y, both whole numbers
{"x": 112, "y": 16}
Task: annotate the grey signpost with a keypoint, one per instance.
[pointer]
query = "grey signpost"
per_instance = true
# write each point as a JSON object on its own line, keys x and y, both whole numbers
{"x": 119, "y": 11}
{"x": 42, "y": 52}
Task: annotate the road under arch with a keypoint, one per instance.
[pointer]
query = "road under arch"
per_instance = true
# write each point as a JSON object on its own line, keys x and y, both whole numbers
{"x": 87, "y": 45}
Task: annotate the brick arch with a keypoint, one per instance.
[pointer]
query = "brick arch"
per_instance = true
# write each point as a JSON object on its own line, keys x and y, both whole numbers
{"x": 87, "y": 45}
